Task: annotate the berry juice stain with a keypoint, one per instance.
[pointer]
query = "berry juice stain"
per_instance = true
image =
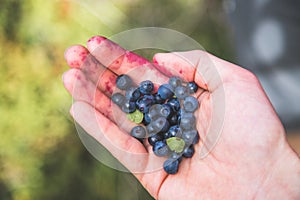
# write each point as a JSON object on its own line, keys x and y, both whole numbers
{"x": 133, "y": 58}
{"x": 116, "y": 64}
{"x": 108, "y": 87}
{"x": 83, "y": 55}
{"x": 78, "y": 77}
{"x": 96, "y": 39}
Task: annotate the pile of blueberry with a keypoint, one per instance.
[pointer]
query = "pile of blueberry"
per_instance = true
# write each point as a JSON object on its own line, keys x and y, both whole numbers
{"x": 166, "y": 117}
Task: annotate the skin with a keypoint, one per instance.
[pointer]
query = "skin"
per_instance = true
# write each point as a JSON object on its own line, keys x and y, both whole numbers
{"x": 251, "y": 159}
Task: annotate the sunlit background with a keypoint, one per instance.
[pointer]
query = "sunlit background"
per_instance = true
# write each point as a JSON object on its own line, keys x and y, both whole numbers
{"x": 41, "y": 155}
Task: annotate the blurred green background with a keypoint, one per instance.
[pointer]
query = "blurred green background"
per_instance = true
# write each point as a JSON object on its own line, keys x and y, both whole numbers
{"x": 41, "y": 155}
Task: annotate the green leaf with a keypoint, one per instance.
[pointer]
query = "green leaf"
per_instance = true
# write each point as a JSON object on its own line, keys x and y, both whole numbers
{"x": 176, "y": 144}
{"x": 136, "y": 116}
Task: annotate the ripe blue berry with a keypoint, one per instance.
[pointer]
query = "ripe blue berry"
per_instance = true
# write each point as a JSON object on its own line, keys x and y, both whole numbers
{"x": 165, "y": 91}
{"x": 144, "y": 103}
{"x": 192, "y": 86}
{"x": 154, "y": 111}
{"x": 175, "y": 82}
{"x": 171, "y": 130}
{"x": 174, "y": 103}
{"x": 181, "y": 92}
{"x": 190, "y": 104}
{"x": 179, "y": 115}
{"x": 146, "y": 119}
{"x": 154, "y": 138}
{"x": 196, "y": 138}
{"x": 158, "y": 99}
{"x": 160, "y": 148}
{"x": 118, "y": 98}
{"x": 189, "y": 136}
{"x": 123, "y": 82}
{"x": 173, "y": 120}
{"x": 132, "y": 94}
{"x": 161, "y": 124}
{"x": 187, "y": 121}
{"x": 166, "y": 111}
{"x": 128, "y": 106}
{"x": 146, "y": 87}
{"x": 174, "y": 131}
{"x": 151, "y": 129}
{"x": 188, "y": 152}
{"x": 171, "y": 166}
{"x": 176, "y": 156}
{"x": 138, "y": 132}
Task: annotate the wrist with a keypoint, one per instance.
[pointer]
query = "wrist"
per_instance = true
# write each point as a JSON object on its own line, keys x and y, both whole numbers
{"x": 283, "y": 182}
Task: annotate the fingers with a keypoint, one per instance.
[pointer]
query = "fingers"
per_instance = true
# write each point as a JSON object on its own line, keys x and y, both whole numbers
{"x": 205, "y": 69}
{"x": 129, "y": 151}
{"x": 75, "y": 56}
{"x": 108, "y": 134}
{"x": 113, "y": 56}
{"x": 120, "y": 61}
{"x": 99, "y": 75}
{"x": 79, "y": 57}
{"x": 82, "y": 89}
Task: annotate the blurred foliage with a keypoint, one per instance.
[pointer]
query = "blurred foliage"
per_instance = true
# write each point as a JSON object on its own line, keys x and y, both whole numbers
{"x": 41, "y": 156}
{"x": 202, "y": 20}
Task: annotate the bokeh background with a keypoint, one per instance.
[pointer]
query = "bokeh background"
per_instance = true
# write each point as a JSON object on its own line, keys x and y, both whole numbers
{"x": 41, "y": 155}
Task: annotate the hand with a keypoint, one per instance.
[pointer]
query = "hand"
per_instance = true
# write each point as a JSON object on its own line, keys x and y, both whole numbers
{"x": 251, "y": 159}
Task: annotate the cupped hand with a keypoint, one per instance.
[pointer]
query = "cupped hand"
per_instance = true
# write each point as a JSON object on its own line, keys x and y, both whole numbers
{"x": 242, "y": 153}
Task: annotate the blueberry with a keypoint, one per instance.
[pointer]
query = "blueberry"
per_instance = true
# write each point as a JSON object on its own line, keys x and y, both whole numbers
{"x": 196, "y": 138}
{"x": 187, "y": 121}
{"x": 192, "y": 86}
{"x": 160, "y": 148}
{"x": 165, "y": 91}
{"x": 146, "y": 119}
{"x": 189, "y": 136}
{"x": 138, "y": 132}
{"x": 190, "y": 104}
{"x": 174, "y": 103}
{"x": 174, "y": 131}
{"x": 161, "y": 124}
{"x": 173, "y": 120}
{"x": 132, "y": 94}
{"x": 128, "y": 106}
{"x": 175, "y": 82}
{"x": 123, "y": 82}
{"x": 146, "y": 87}
{"x": 179, "y": 114}
{"x": 176, "y": 156}
{"x": 166, "y": 111}
{"x": 171, "y": 166}
{"x": 188, "y": 152}
{"x": 181, "y": 92}
{"x": 154, "y": 111}
{"x": 165, "y": 135}
{"x": 158, "y": 99}
{"x": 152, "y": 130}
{"x": 154, "y": 138}
{"x": 144, "y": 103}
{"x": 118, "y": 98}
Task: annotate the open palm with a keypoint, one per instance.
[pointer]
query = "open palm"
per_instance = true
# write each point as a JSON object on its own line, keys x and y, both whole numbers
{"x": 242, "y": 148}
